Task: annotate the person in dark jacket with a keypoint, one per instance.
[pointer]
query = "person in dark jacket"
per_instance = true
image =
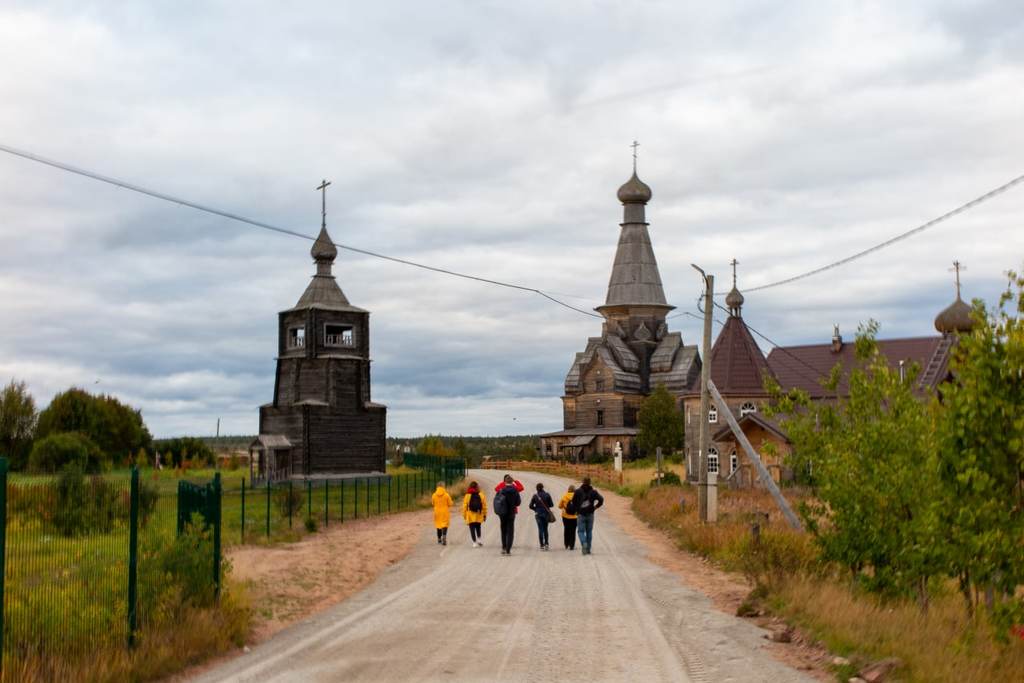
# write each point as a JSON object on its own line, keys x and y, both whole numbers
{"x": 541, "y": 504}
{"x": 586, "y": 500}
{"x": 506, "y": 503}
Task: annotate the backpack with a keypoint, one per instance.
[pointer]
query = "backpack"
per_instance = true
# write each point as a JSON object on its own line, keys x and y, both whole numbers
{"x": 500, "y": 504}
{"x": 475, "y": 504}
{"x": 586, "y": 503}
{"x": 570, "y": 507}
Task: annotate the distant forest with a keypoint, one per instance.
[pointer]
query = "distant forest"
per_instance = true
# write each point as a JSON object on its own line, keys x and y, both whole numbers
{"x": 473, "y": 448}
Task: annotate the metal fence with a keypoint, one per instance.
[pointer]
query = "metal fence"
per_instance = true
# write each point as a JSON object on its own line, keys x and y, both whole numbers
{"x": 281, "y": 509}
{"x": 85, "y": 563}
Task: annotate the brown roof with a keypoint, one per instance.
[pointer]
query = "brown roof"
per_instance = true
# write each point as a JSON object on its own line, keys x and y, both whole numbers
{"x": 725, "y": 433}
{"x": 738, "y": 367}
{"x": 805, "y": 367}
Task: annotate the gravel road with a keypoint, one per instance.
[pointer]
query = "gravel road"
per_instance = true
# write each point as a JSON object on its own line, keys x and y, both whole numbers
{"x": 459, "y": 613}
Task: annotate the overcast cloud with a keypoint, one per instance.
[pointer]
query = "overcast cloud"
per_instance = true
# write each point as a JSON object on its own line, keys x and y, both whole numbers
{"x": 488, "y": 138}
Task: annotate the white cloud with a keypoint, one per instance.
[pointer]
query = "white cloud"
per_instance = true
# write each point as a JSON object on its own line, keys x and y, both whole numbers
{"x": 489, "y": 139}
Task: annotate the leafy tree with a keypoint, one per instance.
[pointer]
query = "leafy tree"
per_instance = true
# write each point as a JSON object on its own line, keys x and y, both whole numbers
{"x": 17, "y": 423}
{"x": 56, "y": 451}
{"x": 116, "y": 428}
{"x": 184, "y": 449}
{"x": 982, "y": 452}
{"x": 460, "y": 447}
{"x": 660, "y": 422}
{"x": 874, "y": 466}
{"x": 433, "y": 445}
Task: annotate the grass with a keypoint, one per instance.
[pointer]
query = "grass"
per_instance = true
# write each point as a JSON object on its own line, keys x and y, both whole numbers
{"x": 942, "y": 645}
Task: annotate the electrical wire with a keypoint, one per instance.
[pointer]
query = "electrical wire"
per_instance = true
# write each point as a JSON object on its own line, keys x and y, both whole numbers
{"x": 274, "y": 228}
{"x": 893, "y": 240}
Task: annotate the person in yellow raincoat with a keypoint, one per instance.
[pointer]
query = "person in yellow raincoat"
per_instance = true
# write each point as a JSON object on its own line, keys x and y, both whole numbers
{"x": 442, "y": 512}
{"x": 569, "y": 518}
{"x": 474, "y": 511}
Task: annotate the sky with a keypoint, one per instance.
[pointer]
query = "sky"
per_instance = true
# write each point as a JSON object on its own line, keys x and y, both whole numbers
{"x": 487, "y": 138}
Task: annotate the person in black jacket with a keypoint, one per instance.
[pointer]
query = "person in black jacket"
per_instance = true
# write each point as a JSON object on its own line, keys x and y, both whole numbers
{"x": 541, "y": 505}
{"x": 586, "y": 500}
{"x": 506, "y": 503}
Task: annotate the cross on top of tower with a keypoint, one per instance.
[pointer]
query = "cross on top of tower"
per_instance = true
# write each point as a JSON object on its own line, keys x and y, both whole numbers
{"x": 734, "y": 263}
{"x": 322, "y": 187}
{"x": 634, "y": 146}
{"x": 957, "y": 267}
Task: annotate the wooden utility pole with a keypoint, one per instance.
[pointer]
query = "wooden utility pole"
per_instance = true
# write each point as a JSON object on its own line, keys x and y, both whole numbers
{"x": 705, "y": 378}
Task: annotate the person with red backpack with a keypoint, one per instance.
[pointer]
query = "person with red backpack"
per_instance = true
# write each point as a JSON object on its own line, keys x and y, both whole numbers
{"x": 474, "y": 511}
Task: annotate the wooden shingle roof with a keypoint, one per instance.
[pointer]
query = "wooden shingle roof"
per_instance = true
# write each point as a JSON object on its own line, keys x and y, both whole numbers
{"x": 738, "y": 367}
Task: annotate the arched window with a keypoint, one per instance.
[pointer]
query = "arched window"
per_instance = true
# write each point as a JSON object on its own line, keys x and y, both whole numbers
{"x": 747, "y": 408}
{"x": 713, "y": 415}
{"x": 734, "y": 462}
{"x": 713, "y": 459}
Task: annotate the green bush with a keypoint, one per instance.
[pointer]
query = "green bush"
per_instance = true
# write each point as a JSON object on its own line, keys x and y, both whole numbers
{"x": 149, "y": 496}
{"x": 52, "y": 453}
{"x": 177, "y": 571}
{"x": 311, "y": 524}
{"x": 85, "y": 506}
{"x": 116, "y": 428}
{"x": 186, "y": 449}
{"x": 668, "y": 478}
{"x": 288, "y": 499}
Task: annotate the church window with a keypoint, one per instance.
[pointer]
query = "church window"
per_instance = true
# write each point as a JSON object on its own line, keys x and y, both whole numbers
{"x": 713, "y": 460}
{"x": 339, "y": 335}
{"x": 747, "y": 408}
{"x": 629, "y": 416}
{"x": 600, "y": 418}
{"x": 734, "y": 462}
{"x": 713, "y": 415}
{"x": 599, "y": 384}
{"x": 296, "y": 337}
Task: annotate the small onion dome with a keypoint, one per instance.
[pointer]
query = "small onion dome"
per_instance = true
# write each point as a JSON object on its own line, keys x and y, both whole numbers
{"x": 954, "y": 318}
{"x": 634, "y": 191}
{"x": 734, "y": 300}
{"x": 324, "y": 249}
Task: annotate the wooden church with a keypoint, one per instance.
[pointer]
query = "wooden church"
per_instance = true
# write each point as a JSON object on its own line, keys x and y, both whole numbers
{"x": 321, "y": 421}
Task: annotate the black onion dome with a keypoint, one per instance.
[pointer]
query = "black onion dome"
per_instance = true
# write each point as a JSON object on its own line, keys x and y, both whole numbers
{"x": 634, "y": 191}
{"x": 955, "y": 318}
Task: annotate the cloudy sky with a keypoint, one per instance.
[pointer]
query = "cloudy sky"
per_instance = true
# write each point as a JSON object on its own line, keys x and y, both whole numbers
{"x": 487, "y": 138}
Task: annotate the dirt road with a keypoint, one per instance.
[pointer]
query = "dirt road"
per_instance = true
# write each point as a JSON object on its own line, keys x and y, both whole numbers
{"x": 459, "y": 613}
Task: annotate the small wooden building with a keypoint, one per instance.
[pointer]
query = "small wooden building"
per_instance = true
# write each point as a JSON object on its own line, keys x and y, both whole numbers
{"x": 322, "y": 421}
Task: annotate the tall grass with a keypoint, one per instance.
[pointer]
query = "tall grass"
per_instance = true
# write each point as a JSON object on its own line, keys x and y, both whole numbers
{"x": 940, "y": 645}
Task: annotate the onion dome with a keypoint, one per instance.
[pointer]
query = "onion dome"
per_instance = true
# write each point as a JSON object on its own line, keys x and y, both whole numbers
{"x": 734, "y": 301}
{"x": 323, "y": 248}
{"x": 955, "y": 318}
{"x": 634, "y": 191}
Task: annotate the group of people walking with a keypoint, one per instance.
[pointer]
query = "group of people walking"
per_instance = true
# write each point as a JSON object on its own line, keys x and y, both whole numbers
{"x": 577, "y": 507}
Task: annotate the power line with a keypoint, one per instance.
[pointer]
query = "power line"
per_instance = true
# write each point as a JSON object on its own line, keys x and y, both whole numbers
{"x": 902, "y": 236}
{"x": 267, "y": 226}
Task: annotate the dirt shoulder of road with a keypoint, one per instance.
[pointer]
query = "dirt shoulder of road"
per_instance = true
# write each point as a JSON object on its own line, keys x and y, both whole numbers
{"x": 726, "y": 590}
{"x": 290, "y": 582}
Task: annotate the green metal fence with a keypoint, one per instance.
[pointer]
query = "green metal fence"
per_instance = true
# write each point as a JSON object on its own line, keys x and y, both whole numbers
{"x": 79, "y": 561}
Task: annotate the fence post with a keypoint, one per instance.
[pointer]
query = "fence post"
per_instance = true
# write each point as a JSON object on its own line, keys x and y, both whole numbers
{"x": 268, "y": 507}
{"x": 342, "y": 501}
{"x": 3, "y": 551}
{"x": 309, "y": 498}
{"x": 389, "y": 495}
{"x": 243, "y": 510}
{"x": 133, "y": 557}
{"x": 367, "y": 496}
{"x": 216, "y": 532}
{"x": 291, "y": 501}
{"x": 327, "y": 502}
{"x": 379, "y": 485}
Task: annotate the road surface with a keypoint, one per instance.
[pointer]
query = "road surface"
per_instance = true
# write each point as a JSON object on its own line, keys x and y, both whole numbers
{"x": 459, "y": 613}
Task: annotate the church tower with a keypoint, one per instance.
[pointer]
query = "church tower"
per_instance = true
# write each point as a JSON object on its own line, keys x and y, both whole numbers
{"x": 322, "y": 403}
{"x": 634, "y": 354}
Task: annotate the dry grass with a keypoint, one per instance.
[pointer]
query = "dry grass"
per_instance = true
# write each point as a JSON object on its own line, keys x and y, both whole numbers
{"x": 191, "y": 637}
{"x": 942, "y": 645}
{"x": 939, "y": 646}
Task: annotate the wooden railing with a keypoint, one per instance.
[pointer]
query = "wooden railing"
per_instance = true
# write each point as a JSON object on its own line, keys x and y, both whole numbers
{"x": 597, "y": 473}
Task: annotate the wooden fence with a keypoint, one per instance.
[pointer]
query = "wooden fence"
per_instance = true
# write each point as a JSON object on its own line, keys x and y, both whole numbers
{"x": 597, "y": 473}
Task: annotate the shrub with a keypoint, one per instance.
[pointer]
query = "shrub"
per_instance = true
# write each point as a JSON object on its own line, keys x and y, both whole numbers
{"x": 85, "y": 506}
{"x": 288, "y": 499}
{"x": 149, "y": 495}
{"x": 115, "y": 427}
{"x": 668, "y": 478}
{"x": 52, "y": 453}
{"x": 311, "y": 524}
{"x": 187, "y": 449}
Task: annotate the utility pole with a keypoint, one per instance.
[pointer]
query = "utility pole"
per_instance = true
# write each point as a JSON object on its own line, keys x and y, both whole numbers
{"x": 705, "y": 396}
